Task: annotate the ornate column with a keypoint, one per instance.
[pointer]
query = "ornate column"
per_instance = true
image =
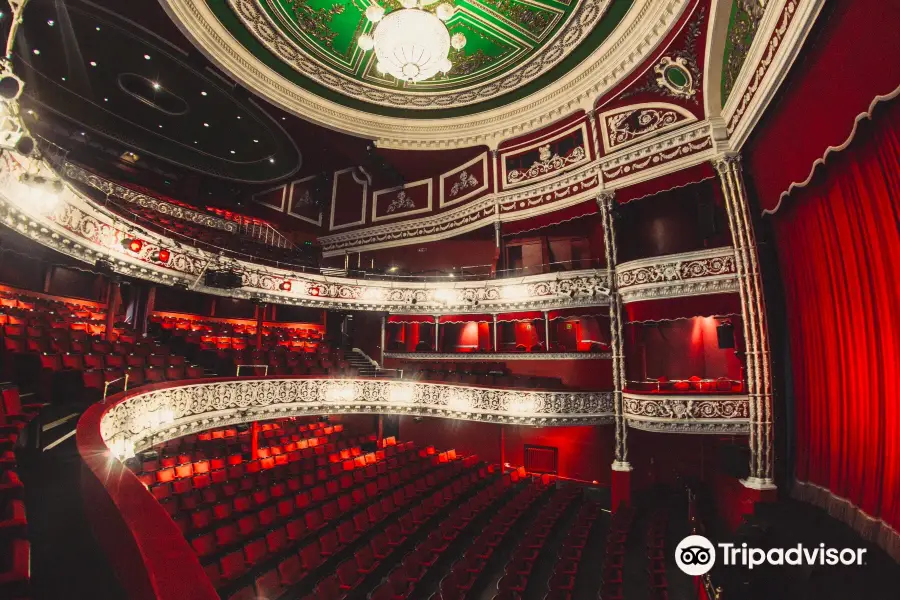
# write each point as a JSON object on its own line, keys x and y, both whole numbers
{"x": 621, "y": 476}
{"x": 437, "y": 333}
{"x": 496, "y": 341}
{"x": 383, "y": 335}
{"x": 753, "y": 309}
{"x": 546, "y": 331}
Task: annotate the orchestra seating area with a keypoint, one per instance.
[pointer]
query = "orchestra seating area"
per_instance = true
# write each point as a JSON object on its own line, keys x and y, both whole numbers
{"x": 476, "y": 373}
{"x": 324, "y": 514}
{"x": 15, "y": 549}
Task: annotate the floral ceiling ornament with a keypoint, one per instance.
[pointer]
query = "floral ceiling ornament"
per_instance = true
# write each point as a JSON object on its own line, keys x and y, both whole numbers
{"x": 401, "y": 201}
{"x": 466, "y": 181}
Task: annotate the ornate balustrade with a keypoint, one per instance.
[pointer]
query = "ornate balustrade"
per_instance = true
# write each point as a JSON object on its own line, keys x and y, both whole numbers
{"x": 685, "y": 413}
{"x": 82, "y": 229}
{"x": 696, "y": 273}
{"x": 145, "y": 418}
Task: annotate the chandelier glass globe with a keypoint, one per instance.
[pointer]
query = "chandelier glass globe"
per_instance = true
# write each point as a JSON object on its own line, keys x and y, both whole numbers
{"x": 411, "y": 44}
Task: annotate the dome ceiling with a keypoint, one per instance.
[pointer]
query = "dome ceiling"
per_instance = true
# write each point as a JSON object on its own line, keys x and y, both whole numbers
{"x": 510, "y": 44}
{"x": 525, "y": 62}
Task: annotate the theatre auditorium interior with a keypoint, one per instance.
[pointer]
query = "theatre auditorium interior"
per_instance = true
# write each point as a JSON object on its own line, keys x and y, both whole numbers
{"x": 449, "y": 299}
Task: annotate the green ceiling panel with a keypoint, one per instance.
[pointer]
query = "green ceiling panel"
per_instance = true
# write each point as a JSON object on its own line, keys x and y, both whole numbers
{"x": 502, "y": 36}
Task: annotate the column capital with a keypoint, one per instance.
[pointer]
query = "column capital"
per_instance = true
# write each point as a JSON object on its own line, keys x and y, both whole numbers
{"x": 759, "y": 483}
{"x": 622, "y": 466}
{"x": 606, "y": 199}
{"x": 724, "y": 162}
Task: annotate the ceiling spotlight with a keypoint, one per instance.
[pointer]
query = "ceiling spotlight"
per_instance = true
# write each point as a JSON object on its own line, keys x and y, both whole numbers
{"x": 160, "y": 126}
{"x": 156, "y": 85}
{"x": 239, "y": 116}
{"x": 106, "y": 99}
{"x": 51, "y": 22}
{"x": 98, "y": 28}
{"x": 63, "y": 78}
{"x": 255, "y": 141}
{"x": 133, "y": 244}
{"x": 203, "y": 94}
{"x": 36, "y": 52}
{"x": 93, "y": 63}
{"x": 272, "y": 160}
{"x": 206, "y": 124}
{"x": 146, "y": 57}
{"x": 232, "y": 151}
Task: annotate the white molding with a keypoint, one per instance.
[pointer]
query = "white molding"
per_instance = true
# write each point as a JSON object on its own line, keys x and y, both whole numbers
{"x": 710, "y": 271}
{"x": 714, "y": 56}
{"x": 632, "y": 42}
{"x": 334, "y": 188}
{"x": 405, "y": 186}
{"x": 281, "y": 187}
{"x": 687, "y": 413}
{"x": 483, "y": 159}
{"x": 290, "y": 205}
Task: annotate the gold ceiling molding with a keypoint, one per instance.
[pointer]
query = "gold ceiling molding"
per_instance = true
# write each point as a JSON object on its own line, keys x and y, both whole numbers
{"x": 641, "y": 31}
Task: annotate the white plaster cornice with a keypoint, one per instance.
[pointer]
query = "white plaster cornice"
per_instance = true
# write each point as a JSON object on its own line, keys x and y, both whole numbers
{"x": 697, "y": 273}
{"x": 687, "y": 413}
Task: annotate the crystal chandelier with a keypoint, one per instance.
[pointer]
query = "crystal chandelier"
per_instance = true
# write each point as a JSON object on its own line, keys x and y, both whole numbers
{"x": 412, "y": 43}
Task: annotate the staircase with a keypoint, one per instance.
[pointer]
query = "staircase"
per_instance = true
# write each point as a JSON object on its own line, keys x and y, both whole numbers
{"x": 359, "y": 361}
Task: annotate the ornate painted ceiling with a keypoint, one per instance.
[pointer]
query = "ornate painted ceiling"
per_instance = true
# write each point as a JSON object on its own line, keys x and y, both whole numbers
{"x": 526, "y": 62}
{"x": 510, "y": 43}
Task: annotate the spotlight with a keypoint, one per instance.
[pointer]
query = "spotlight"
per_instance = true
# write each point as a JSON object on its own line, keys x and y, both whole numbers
{"x": 10, "y": 87}
{"x": 285, "y": 286}
{"x": 133, "y": 244}
{"x": 162, "y": 256}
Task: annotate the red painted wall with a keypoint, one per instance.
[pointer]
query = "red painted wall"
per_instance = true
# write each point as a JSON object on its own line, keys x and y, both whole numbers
{"x": 678, "y": 350}
{"x": 585, "y": 452}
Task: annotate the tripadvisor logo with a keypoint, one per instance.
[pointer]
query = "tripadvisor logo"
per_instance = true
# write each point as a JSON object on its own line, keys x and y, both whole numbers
{"x": 696, "y": 555}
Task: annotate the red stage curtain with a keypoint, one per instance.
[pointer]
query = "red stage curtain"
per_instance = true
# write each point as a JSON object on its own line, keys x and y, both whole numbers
{"x": 838, "y": 243}
{"x": 411, "y": 319}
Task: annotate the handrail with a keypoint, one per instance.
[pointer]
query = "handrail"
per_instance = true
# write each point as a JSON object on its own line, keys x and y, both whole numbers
{"x": 238, "y": 372}
{"x": 109, "y": 383}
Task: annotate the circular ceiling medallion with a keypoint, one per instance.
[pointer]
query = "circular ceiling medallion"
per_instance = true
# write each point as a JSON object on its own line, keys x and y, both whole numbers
{"x": 152, "y": 94}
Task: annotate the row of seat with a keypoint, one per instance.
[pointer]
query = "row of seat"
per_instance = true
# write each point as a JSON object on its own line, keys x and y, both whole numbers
{"x": 614, "y": 558}
{"x": 215, "y": 331}
{"x": 413, "y": 557}
{"x": 520, "y": 566}
{"x": 15, "y": 549}
{"x": 320, "y": 536}
{"x": 569, "y": 562}
{"x": 656, "y": 556}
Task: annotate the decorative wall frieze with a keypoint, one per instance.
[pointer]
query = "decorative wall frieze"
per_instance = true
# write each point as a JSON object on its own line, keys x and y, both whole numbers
{"x": 110, "y": 188}
{"x": 140, "y": 420}
{"x": 82, "y": 229}
{"x": 711, "y": 271}
{"x": 628, "y": 125}
{"x": 664, "y": 154}
{"x": 780, "y": 35}
{"x": 667, "y": 153}
{"x": 701, "y": 413}
{"x": 488, "y": 356}
{"x": 636, "y": 37}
